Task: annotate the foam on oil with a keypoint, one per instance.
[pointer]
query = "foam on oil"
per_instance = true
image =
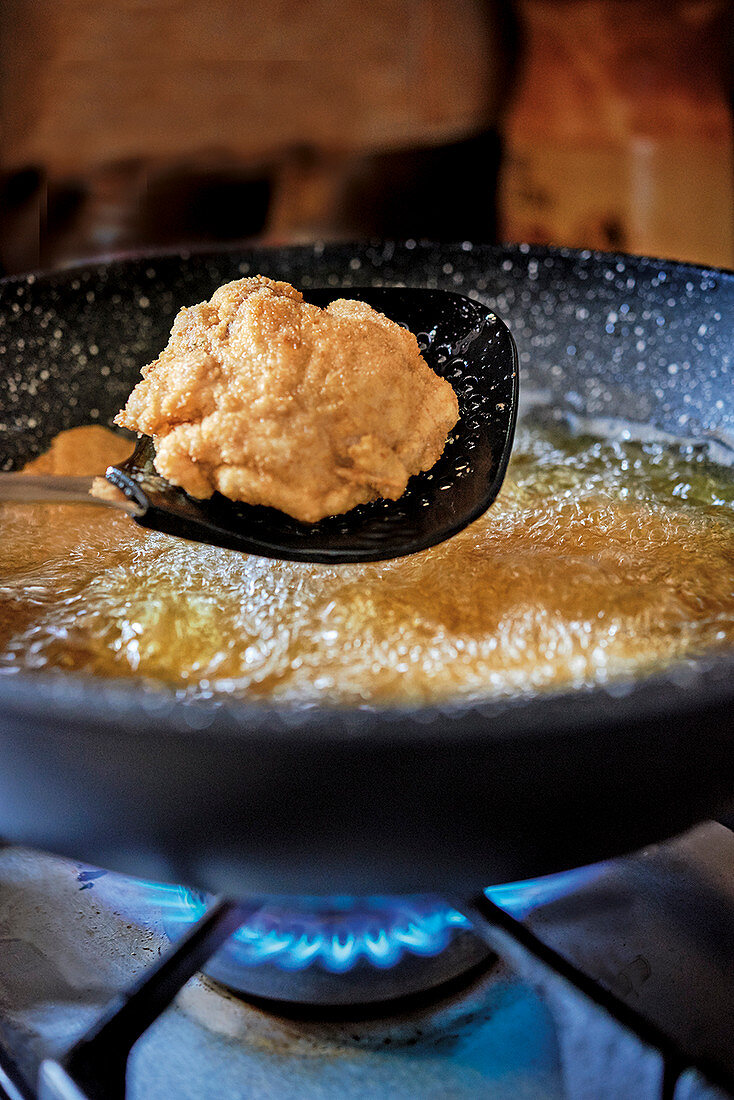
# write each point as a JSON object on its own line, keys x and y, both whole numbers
{"x": 599, "y": 561}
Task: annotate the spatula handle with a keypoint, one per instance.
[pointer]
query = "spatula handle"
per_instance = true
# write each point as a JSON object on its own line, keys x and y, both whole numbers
{"x": 57, "y": 490}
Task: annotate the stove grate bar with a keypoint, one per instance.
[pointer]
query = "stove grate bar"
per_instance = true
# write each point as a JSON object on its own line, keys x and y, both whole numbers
{"x": 517, "y": 945}
{"x": 95, "y": 1067}
{"x": 12, "y": 1084}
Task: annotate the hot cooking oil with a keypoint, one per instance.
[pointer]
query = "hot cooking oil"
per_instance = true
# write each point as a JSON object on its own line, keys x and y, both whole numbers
{"x": 599, "y": 561}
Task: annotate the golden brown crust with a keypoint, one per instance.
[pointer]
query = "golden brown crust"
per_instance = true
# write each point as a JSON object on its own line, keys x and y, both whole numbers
{"x": 84, "y": 451}
{"x": 270, "y": 400}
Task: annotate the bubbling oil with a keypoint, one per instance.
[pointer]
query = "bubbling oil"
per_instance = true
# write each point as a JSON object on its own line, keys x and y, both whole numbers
{"x": 599, "y": 561}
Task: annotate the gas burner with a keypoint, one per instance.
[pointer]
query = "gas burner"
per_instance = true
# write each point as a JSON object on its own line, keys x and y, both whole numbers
{"x": 622, "y": 980}
{"x": 338, "y": 951}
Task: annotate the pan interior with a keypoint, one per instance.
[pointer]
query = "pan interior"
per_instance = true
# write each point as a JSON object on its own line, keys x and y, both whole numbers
{"x": 599, "y": 337}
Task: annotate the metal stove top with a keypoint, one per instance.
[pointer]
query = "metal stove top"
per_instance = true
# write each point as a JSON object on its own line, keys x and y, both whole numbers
{"x": 653, "y": 933}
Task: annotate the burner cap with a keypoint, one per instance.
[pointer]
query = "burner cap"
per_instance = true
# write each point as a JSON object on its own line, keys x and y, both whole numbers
{"x": 339, "y": 951}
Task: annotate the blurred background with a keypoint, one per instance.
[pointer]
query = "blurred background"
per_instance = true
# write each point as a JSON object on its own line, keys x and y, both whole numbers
{"x": 156, "y": 123}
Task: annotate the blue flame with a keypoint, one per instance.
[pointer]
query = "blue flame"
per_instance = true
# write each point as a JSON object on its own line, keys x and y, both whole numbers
{"x": 335, "y": 933}
{"x": 520, "y": 898}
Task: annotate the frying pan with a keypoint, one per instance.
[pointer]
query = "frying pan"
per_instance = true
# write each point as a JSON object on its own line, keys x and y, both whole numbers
{"x": 245, "y": 799}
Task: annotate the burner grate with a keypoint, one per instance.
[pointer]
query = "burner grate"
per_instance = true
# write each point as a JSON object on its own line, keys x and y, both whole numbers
{"x": 94, "y": 1068}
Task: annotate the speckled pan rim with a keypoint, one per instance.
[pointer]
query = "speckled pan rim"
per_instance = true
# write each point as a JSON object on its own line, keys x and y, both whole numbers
{"x": 231, "y": 247}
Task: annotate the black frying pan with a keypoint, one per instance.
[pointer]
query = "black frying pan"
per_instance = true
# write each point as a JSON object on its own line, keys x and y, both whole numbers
{"x": 247, "y": 799}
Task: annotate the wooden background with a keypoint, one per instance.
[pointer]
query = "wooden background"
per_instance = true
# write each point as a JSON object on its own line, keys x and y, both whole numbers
{"x": 614, "y": 114}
